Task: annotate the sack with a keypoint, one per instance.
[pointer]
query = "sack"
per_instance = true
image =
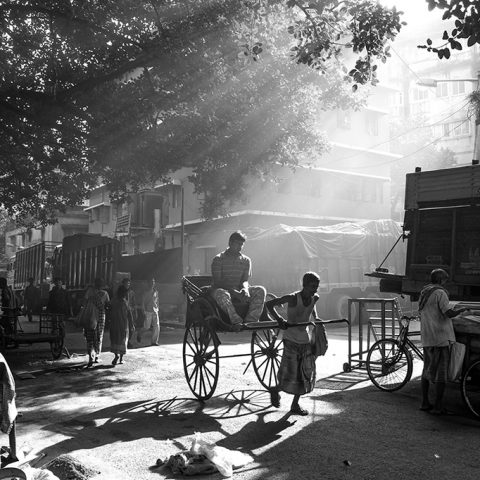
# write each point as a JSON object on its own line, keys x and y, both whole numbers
{"x": 88, "y": 316}
{"x": 319, "y": 341}
{"x": 455, "y": 364}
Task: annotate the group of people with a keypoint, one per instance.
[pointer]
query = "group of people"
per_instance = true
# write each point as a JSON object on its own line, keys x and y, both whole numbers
{"x": 241, "y": 302}
{"x": 231, "y": 271}
{"x": 124, "y": 319}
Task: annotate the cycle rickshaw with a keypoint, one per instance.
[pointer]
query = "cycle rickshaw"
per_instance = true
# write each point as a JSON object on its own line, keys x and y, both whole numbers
{"x": 201, "y": 358}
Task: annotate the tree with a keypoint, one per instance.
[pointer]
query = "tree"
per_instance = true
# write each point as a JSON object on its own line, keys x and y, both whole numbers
{"x": 128, "y": 91}
{"x": 466, "y": 14}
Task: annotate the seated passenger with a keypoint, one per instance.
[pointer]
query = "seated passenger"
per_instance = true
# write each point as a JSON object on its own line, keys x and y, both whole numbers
{"x": 231, "y": 271}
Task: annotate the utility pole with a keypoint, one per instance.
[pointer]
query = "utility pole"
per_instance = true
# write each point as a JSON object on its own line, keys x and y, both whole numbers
{"x": 182, "y": 229}
{"x": 476, "y": 143}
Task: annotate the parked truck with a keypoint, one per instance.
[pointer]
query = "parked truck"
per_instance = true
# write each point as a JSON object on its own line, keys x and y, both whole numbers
{"x": 442, "y": 230}
{"x": 340, "y": 253}
{"x": 83, "y": 257}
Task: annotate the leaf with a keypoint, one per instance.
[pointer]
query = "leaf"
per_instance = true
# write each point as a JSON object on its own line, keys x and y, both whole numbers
{"x": 472, "y": 40}
{"x": 445, "y": 35}
{"x": 429, "y": 41}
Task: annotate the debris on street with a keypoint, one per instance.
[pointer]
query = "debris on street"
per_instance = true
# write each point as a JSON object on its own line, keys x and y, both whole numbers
{"x": 66, "y": 467}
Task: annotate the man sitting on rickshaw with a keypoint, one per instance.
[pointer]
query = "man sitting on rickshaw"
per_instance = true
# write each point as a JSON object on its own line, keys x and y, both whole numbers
{"x": 231, "y": 271}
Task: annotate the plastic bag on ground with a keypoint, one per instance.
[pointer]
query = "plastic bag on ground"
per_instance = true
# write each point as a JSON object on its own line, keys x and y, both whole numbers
{"x": 224, "y": 459}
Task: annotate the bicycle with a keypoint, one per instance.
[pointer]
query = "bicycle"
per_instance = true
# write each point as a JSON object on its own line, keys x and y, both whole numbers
{"x": 390, "y": 360}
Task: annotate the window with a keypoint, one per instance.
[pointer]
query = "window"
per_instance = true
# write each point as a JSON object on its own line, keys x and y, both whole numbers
{"x": 442, "y": 89}
{"x": 176, "y": 196}
{"x": 456, "y": 129}
{"x": 458, "y": 87}
{"x": 420, "y": 94}
{"x": 372, "y": 125}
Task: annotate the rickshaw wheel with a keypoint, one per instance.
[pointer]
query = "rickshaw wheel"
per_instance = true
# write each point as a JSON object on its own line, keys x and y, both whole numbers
{"x": 267, "y": 350}
{"x": 200, "y": 359}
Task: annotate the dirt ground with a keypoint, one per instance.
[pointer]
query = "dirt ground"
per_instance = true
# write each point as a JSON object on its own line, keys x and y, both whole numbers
{"x": 118, "y": 421}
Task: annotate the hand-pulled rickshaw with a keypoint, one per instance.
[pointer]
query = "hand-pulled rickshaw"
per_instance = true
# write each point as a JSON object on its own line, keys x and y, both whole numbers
{"x": 204, "y": 320}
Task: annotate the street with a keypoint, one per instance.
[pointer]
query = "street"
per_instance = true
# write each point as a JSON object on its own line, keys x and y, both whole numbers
{"x": 120, "y": 420}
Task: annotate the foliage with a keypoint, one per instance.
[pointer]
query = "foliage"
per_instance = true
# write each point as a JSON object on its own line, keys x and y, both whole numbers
{"x": 466, "y": 27}
{"x": 128, "y": 91}
{"x": 474, "y": 104}
{"x": 329, "y": 27}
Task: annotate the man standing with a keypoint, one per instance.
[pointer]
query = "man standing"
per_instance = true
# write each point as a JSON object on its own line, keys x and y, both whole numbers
{"x": 58, "y": 300}
{"x": 31, "y": 299}
{"x": 436, "y": 329}
{"x": 231, "y": 271}
{"x": 133, "y": 309}
{"x": 150, "y": 310}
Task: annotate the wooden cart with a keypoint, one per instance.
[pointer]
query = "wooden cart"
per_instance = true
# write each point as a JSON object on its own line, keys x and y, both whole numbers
{"x": 51, "y": 329}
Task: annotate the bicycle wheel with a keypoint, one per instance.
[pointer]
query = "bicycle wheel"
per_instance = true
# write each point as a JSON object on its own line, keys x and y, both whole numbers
{"x": 389, "y": 365}
{"x": 200, "y": 360}
{"x": 471, "y": 388}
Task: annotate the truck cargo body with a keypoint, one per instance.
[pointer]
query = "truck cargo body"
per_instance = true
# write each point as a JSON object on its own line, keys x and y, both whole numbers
{"x": 341, "y": 254}
{"x": 83, "y": 257}
{"x": 442, "y": 227}
{"x": 33, "y": 262}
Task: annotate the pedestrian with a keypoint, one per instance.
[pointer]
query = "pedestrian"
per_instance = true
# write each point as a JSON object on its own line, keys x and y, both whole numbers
{"x": 150, "y": 312}
{"x": 296, "y": 374}
{"x": 8, "y": 303}
{"x": 437, "y": 334}
{"x": 31, "y": 299}
{"x": 231, "y": 271}
{"x": 94, "y": 336}
{"x": 132, "y": 302}
{"x": 59, "y": 305}
{"x": 121, "y": 319}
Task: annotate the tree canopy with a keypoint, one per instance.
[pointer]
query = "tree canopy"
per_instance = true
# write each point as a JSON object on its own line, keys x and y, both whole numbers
{"x": 466, "y": 16}
{"x": 127, "y": 91}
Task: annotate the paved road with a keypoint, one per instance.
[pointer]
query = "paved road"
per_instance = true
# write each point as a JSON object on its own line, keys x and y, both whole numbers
{"x": 120, "y": 420}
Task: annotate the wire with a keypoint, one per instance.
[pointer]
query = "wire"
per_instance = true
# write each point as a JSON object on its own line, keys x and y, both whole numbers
{"x": 465, "y": 102}
{"x": 412, "y": 153}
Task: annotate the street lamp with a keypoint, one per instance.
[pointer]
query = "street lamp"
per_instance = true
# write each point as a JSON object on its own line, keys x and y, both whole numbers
{"x": 432, "y": 82}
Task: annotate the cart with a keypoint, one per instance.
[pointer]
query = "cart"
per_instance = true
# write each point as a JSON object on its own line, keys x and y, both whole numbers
{"x": 390, "y": 359}
{"x": 51, "y": 329}
{"x": 204, "y": 320}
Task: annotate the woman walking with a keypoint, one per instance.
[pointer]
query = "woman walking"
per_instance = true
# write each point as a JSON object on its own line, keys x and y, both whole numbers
{"x": 119, "y": 325}
{"x": 94, "y": 334}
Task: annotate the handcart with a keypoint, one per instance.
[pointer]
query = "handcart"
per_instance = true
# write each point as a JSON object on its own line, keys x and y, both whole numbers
{"x": 204, "y": 320}
{"x": 390, "y": 360}
{"x": 51, "y": 329}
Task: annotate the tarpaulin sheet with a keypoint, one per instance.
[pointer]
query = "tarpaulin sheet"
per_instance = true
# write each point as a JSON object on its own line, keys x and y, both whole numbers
{"x": 349, "y": 239}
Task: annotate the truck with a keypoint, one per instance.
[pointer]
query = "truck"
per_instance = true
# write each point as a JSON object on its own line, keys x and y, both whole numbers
{"x": 341, "y": 254}
{"x": 442, "y": 230}
{"x": 83, "y": 257}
